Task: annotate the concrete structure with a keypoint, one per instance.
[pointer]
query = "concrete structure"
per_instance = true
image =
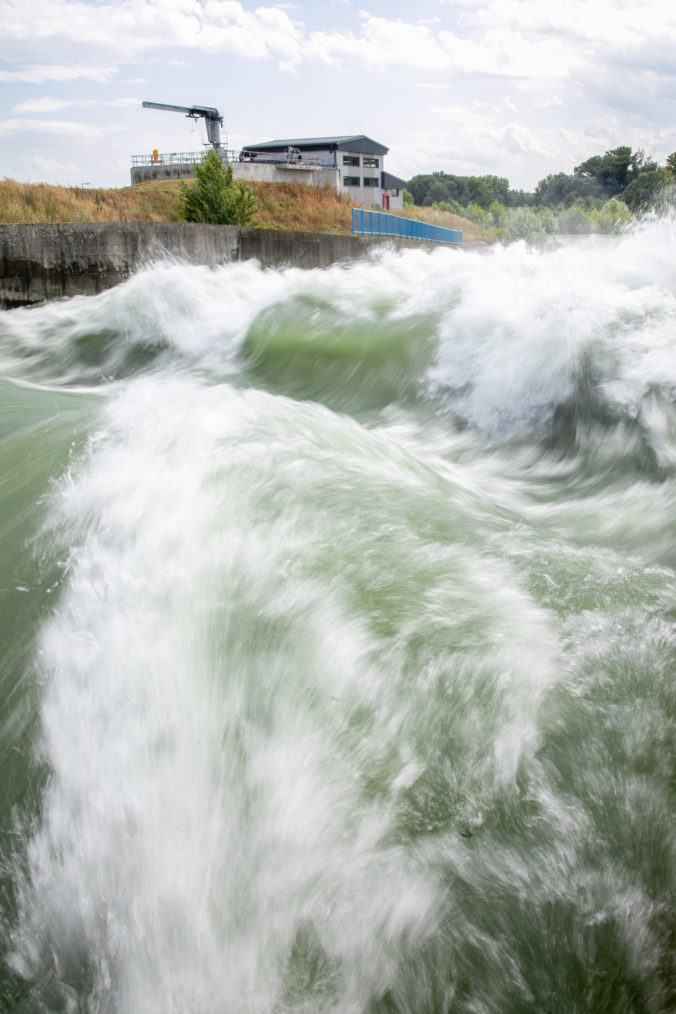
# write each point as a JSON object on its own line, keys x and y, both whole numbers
{"x": 353, "y": 164}
{"x": 180, "y": 165}
{"x": 39, "y": 262}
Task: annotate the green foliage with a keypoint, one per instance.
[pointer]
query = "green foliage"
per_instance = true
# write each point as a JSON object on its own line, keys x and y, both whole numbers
{"x": 408, "y": 199}
{"x": 440, "y": 187}
{"x": 579, "y": 199}
{"x": 452, "y": 206}
{"x": 524, "y": 224}
{"x": 547, "y": 219}
{"x": 612, "y": 216}
{"x": 644, "y": 190}
{"x": 214, "y": 198}
{"x": 575, "y": 221}
{"x": 560, "y": 189}
{"x": 499, "y": 214}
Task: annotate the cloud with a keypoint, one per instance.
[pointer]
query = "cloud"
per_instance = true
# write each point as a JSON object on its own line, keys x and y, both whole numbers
{"x": 54, "y": 168}
{"x": 50, "y": 105}
{"x": 63, "y": 128}
{"x": 40, "y": 73}
{"x": 129, "y": 28}
{"x": 503, "y": 38}
{"x": 519, "y": 140}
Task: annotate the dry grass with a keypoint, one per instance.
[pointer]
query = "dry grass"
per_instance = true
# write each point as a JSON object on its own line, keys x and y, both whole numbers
{"x": 291, "y": 207}
{"x": 470, "y": 232}
{"x": 296, "y": 208}
{"x": 35, "y": 203}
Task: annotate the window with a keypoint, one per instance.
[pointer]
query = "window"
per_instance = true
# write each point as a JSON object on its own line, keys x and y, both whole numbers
{"x": 370, "y": 181}
{"x": 371, "y": 163}
{"x": 351, "y": 181}
{"x": 350, "y": 159}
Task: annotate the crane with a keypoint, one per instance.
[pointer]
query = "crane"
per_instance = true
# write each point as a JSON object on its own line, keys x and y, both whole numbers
{"x": 212, "y": 118}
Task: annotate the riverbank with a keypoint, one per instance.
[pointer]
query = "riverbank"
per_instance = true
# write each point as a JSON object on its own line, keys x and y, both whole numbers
{"x": 281, "y": 206}
{"x": 49, "y": 261}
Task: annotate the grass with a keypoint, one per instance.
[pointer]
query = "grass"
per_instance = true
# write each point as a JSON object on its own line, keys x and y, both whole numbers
{"x": 290, "y": 207}
{"x": 40, "y": 202}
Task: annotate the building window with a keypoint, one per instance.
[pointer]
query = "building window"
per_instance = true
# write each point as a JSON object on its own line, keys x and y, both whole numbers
{"x": 350, "y": 159}
{"x": 351, "y": 181}
{"x": 371, "y": 163}
{"x": 370, "y": 181}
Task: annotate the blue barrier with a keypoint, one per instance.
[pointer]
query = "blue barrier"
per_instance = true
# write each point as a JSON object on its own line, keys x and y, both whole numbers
{"x": 379, "y": 223}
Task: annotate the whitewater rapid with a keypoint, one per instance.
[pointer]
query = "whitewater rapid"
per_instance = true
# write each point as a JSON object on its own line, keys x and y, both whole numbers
{"x": 339, "y": 620}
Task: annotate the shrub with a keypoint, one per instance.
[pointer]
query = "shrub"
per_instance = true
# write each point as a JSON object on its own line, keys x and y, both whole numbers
{"x": 575, "y": 221}
{"x": 214, "y": 198}
{"x": 522, "y": 223}
{"x": 612, "y": 216}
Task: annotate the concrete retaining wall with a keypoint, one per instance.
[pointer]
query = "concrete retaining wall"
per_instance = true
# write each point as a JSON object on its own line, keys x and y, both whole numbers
{"x": 259, "y": 172}
{"x": 39, "y": 262}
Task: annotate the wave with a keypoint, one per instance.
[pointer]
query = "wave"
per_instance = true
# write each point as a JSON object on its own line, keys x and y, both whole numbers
{"x": 510, "y": 342}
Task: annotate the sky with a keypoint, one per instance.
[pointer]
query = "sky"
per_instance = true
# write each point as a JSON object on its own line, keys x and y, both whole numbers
{"x": 514, "y": 88}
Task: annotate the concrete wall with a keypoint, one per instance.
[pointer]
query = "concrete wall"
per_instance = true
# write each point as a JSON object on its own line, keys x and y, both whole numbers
{"x": 326, "y": 176}
{"x": 39, "y": 262}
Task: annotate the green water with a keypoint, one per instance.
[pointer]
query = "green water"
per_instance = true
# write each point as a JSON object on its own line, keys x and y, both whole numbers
{"x": 337, "y": 612}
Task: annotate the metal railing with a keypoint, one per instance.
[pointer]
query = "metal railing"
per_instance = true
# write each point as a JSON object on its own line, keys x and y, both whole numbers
{"x": 180, "y": 158}
{"x": 379, "y": 223}
{"x": 264, "y": 158}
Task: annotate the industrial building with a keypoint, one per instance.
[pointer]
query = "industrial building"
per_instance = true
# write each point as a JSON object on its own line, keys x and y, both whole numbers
{"x": 356, "y": 161}
{"x": 353, "y": 164}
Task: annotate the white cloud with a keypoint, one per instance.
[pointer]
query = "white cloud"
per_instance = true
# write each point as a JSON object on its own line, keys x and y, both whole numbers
{"x": 50, "y": 105}
{"x": 63, "y": 128}
{"x": 54, "y": 168}
{"x": 504, "y": 38}
{"x": 40, "y": 73}
{"x": 519, "y": 140}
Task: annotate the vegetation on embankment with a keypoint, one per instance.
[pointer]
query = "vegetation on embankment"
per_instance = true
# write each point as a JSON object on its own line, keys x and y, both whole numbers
{"x": 290, "y": 207}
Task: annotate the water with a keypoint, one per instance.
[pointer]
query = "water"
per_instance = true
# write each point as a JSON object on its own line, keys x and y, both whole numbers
{"x": 338, "y": 624}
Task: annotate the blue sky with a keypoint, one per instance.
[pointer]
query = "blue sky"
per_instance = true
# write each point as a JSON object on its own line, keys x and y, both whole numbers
{"x": 518, "y": 88}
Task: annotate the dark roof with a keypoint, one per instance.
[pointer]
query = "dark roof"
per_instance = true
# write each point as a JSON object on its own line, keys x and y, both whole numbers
{"x": 390, "y": 182}
{"x": 346, "y": 142}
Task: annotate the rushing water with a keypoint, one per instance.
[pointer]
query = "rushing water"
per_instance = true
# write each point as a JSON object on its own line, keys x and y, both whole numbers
{"x": 337, "y": 617}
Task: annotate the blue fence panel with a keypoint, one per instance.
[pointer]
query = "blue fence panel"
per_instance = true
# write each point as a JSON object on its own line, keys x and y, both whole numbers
{"x": 379, "y": 223}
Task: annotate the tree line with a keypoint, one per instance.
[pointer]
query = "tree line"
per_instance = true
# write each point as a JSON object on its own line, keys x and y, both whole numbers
{"x": 620, "y": 173}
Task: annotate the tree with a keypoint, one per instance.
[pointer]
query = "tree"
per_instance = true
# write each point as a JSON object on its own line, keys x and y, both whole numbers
{"x": 214, "y": 198}
{"x": 644, "y": 190}
{"x": 560, "y": 188}
{"x": 616, "y": 169}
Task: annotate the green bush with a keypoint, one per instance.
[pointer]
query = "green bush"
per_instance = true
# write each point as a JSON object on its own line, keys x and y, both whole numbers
{"x": 612, "y": 216}
{"x": 214, "y": 198}
{"x": 522, "y": 223}
{"x": 575, "y": 221}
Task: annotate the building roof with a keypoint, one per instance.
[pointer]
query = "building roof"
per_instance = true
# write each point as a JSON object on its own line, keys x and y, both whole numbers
{"x": 390, "y": 182}
{"x": 343, "y": 142}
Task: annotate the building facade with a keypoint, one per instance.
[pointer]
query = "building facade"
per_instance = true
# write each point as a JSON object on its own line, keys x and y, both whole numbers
{"x": 356, "y": 160}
